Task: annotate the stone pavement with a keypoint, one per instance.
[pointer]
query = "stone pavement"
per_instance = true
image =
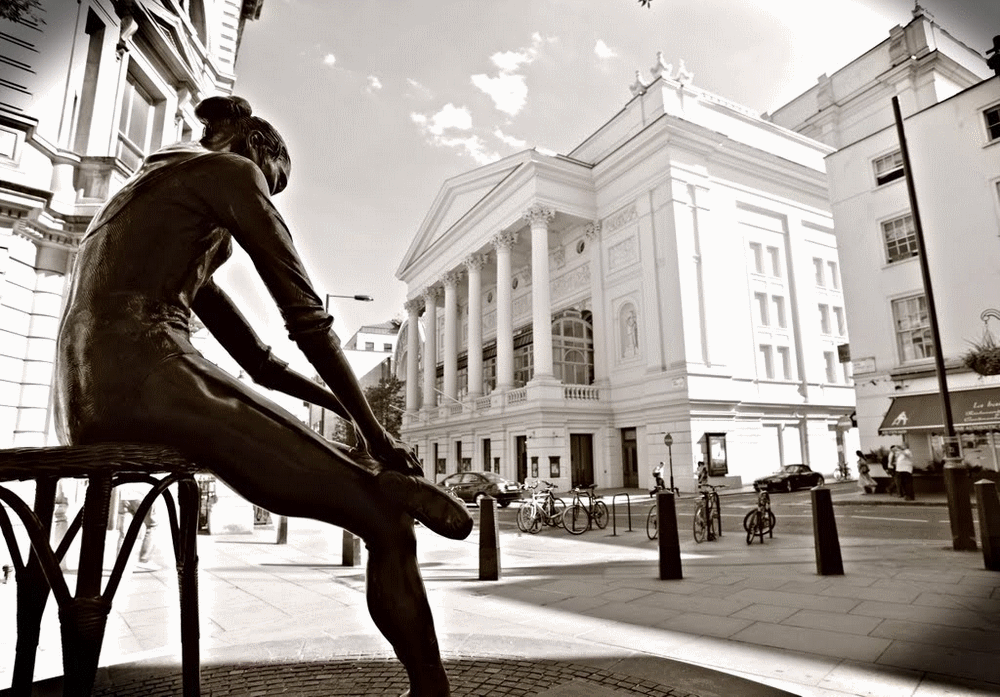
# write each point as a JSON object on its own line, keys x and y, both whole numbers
{"x": 582, "y": 616}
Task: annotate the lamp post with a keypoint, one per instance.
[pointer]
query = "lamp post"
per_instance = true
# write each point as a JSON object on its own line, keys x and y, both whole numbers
{"x": 668, "y": 440}
{"x": 360, "y": 297}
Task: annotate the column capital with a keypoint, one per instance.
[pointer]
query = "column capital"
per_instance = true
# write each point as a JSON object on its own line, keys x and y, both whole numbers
{"x": 592, "y": 230}
{"x": 430, "y": 294}
{"x": 475, "y": 262}
{"x": 414, "y": 305}
{"x": 504, "y": 240}
{"x": 539, "y": 215}
{"x": 451, "y": 279}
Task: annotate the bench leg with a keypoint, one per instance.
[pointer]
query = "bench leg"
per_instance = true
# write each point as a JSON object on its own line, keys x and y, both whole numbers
{"x": 32, "y": 595}
{"x": 188, "y": 499}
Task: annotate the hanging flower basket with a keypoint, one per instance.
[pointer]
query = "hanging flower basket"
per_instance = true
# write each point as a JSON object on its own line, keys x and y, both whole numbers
{"x": 984, "y": 356}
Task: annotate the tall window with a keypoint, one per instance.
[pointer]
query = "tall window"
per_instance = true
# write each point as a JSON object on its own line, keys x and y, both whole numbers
{"x": 992, "y": 116}
{"x": 824, "y": 319}
{"x": 490, "y": 373}
{"x": 888, "y": 167}
{"x": 757, "y": 251}
{"x": 760, "y": 300}
{"x": 766, "y": 361}
{"x": 775, "y": 254}
{"x": 820, "y": 270}
{"x": 834, "y": 276}
{"x": 831, "y": 366}
{"x": 779, "y": 310}
{"x": 913, "y": 328}
{"x": 900, "y": 238}
{"x": 838, "y": 313}
{"x": 573, "y": 349}
{"x": 524, "y": 365}
{"x": 785, "y": 357}
{"x": 135, "y": 127}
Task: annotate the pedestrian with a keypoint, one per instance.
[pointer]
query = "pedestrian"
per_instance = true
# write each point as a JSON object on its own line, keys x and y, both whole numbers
{"x": 126, "y": 369}
{"x": 658, "y": 478}
{"x": 865, "y": 480}
{"x": 904, "y": 472}
{"x": 890, "y": 469}
{"x": 130, "y": 496}
{"x": 702, "y": 473}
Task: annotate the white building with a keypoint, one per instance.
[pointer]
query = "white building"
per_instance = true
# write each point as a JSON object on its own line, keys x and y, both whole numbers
{"x": 952, "y": 127}
{"x": 676, "y": 273}
{"x": 87, "y": 93}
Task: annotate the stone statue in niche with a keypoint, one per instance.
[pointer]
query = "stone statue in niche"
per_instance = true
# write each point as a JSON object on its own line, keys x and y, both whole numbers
{"x": 630, "y": 332}
{"x": 126, "y": 369}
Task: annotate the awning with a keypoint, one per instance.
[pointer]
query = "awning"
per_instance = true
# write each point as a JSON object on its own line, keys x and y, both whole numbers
{"x": 971, "y": 410}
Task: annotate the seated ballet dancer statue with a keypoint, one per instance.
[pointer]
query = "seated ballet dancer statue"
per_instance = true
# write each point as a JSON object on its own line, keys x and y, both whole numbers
{"x": 126, "y": 369}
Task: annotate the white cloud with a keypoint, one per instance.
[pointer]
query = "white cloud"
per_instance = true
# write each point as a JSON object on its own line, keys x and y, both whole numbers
{"x": 450, "y": 116}
{"x": 329, "y": 59}
{"x": 441, "y": 127}
{"x": 374, "y": 84}
{"x": 508, "y": 92}
{"x": 509, "y": 140}
{"x": 418, "y": 89}
{"x": 603, "y": 51}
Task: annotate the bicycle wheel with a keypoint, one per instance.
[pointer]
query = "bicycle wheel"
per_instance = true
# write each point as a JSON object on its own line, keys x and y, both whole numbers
{"x": 529, "y": 519}
{"x": 752, "y": 524}
{"x": 652, "y": 523}
{"x": 524, "y": 516}
{"x": 771, "y": 521}
{"x": 601, "y": 515}
{"x": 700, "y": 523}
{"x": 575, "y": 519}
{"x": 556, "y": 509}
{"x": 716, "y": 523}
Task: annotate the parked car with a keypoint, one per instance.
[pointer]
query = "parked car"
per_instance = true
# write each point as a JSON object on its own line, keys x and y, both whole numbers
{"x": 474, "y": 486}
{"x": 789, "y": 478}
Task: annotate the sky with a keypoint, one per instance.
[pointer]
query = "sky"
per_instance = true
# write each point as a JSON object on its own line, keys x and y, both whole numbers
{"x": 380, "y": 102}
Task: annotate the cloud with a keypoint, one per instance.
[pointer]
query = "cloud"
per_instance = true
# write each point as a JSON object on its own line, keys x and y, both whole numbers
{"x": 509, "y": 89}
{"x": 440, "y": 130}
{"x": 509, "y": 140}
{"x": 603, "y": 51}
{"x": 450, "y": 116}
{"x": 374, "y": 84}
{"x": 329, "y": 59}
{"x": 419, "y": 90}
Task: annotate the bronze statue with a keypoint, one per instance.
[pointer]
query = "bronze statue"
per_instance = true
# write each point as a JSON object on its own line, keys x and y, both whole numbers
{"x": 126, "y": 369}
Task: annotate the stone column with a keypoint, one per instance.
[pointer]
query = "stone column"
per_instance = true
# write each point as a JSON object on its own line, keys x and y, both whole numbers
{"x": 474, "y": 265}
{"x": 592, "y": 234}
{"x": 413, "y": 308}
{"x": 538, "y": 218}
{"x": 450, "y": 282}
{"x": 430, "y": 346}
{"x": 503, "y": 243}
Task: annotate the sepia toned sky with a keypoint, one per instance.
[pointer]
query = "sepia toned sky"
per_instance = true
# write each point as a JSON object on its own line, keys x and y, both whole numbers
{"x": 382, "y": 101}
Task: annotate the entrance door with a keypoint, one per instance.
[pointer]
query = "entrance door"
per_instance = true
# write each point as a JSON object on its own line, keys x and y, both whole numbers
{"x": 630, "y": 459}
{"x": 581, "y": 457}
{"x": 521, "y": 449}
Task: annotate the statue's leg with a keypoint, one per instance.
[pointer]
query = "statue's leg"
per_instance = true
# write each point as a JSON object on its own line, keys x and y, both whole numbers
{"x": 398, "y": 604}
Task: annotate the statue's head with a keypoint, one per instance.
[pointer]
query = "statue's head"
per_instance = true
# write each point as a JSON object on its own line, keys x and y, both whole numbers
{"x": 231, "y": 127}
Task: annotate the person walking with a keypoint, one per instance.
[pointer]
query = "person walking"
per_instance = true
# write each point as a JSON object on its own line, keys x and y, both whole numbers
{"x": 129, "y": 497}
{"x": 866, "y": 482}
{"x": 904, "y": 472}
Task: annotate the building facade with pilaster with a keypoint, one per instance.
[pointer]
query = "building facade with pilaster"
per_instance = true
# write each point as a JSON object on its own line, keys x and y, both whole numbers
{"x": 92, "y": 86}
{"x": 676, "y": 273}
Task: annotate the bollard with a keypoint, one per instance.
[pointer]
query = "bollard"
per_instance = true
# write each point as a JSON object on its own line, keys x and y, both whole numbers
{"x": 669, "y": 544}
{"x": 351, "y": 550}
{"x": 828, "y": 559}
{"x": 956, "y": 483}
{"x": 988, "y": 506}
{"x": 281, "y": 530}
{"x": 489, "y": 540}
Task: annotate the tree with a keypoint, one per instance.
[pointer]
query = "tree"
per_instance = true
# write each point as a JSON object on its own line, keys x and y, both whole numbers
{"x": 18, "y": 10}
{"x": 387, "y": 402}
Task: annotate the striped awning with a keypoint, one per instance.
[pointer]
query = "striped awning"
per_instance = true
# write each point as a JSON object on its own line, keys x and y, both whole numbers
{"x": 971, "y": 410}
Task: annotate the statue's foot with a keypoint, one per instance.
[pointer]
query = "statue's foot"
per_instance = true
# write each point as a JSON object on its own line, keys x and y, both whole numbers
{"x": 440, "y": 511}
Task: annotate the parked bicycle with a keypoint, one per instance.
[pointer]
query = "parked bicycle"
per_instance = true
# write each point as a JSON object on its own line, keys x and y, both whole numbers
{"x": 543, "y": 508}
{"x": 652, "y": 522}
{"x": 708, "y": 514}
{"x": 843, "y": 472}
{"x": 579, "y": 516}
{"x": 760, "y": 520}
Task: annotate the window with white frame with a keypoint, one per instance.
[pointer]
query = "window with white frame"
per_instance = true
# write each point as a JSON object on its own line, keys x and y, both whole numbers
{"x": 785, "y": 358}
{"x": 831, "y": 366}
{"x": 766, "y": 361}
{"x": 779, "y": 310}
{"x": 888, "y": 167}
{"x": 135, "y": 126}
{"x": 820, "y": 269}
{"x": 838, "y": 315}
{"x": 913, "y": 328}
{"x": 834, "y": 275}
{"x": 757, "y": 252}
{"x": 900, "y": 238}
{"x": 760, "y": 302}
{"x": 992, "y": 116}
{"x": 824, "y": 318}
{"x": 775, "y": 255}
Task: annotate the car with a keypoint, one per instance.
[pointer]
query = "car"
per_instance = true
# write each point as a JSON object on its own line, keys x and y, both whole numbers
{"x": 789, "y": 478}
{"x": 474, "y": 486}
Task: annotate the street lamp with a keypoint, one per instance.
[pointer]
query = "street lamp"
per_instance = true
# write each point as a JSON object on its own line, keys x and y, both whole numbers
{"x": 359, "y": 297}
{"x": 668, "y": 440}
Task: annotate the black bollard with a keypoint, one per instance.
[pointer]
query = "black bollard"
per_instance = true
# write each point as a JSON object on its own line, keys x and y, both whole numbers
{"x": 828, "y": 559}
{"x": 669, "y": 544}
{"x": 281, "y": 530}
{"x": 489, "y": 540}
{"x": 989, "y": 522}
{"x": 956, "y": 483}
{"x": 351, "y": 550}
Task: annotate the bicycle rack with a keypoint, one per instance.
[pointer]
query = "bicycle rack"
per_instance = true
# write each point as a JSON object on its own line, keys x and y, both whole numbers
{"x": 614, "y": 517}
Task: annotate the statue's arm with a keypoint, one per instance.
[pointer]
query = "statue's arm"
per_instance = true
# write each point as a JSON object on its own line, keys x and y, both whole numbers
{"x": 227, "y": 324}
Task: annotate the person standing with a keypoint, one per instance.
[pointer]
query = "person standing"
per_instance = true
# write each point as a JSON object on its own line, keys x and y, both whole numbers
{"x": 904, "y": 472}
{"x": 130, "y": 496}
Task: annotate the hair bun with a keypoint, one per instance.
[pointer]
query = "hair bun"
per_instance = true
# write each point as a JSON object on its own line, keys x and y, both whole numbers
{"x": 214, "y": 109}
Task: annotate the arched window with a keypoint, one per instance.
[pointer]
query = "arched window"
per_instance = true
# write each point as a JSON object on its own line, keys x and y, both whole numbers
{"x": 573, "y": 348}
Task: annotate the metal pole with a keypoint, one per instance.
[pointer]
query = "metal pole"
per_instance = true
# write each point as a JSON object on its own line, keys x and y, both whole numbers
{"x": 670, "y": 459}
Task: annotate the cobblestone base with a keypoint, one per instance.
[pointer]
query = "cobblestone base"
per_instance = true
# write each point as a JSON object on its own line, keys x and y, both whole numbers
{"x": 469, "y": 677}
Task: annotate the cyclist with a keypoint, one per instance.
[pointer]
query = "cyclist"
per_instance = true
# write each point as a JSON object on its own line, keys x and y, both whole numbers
{"x": 658, "y": 478}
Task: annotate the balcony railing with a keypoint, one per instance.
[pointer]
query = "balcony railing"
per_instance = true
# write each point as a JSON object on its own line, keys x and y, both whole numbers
{"x": 588, "y": 392}
{"x": 517, "y": 396}
{"x": 496, "y": 402}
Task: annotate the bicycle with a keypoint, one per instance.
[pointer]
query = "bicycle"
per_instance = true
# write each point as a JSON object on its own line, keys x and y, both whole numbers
{"x": 760, "y": 520}
{"x": 708, "y": 514}
{"x": 842, "y": 473}
{"x": 578, "y": 517}
{"x": 543, "y": 508}
{"x": 652, "y": 522}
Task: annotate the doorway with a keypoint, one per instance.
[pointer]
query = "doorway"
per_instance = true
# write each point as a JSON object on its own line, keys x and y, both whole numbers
{"x": 521, "y": 451}
{"x": 630, "y": 459}
{"x": 581, "y": 457}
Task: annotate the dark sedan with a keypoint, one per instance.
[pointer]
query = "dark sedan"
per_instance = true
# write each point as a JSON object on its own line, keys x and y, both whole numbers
{"x": 474, "y": 486}
{"x": 789, "y": 478}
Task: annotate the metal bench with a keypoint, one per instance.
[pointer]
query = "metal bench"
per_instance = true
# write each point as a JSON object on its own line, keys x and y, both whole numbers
{"x": 83, "y": 616}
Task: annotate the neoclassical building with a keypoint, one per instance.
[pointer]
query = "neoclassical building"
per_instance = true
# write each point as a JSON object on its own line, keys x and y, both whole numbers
{"x": 88, "y": 91}
{"x": 674, "y": 274}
